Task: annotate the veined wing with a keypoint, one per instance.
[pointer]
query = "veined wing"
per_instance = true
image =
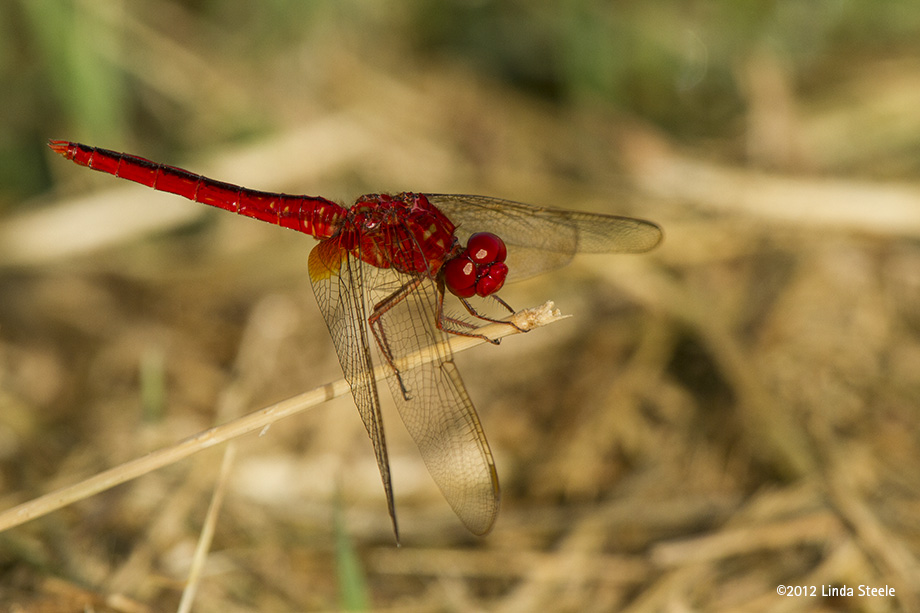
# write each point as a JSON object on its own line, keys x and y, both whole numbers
{"x": 431, "y": 397}
{"x": 541, "y": 238}
{"x": 337, "y": 280}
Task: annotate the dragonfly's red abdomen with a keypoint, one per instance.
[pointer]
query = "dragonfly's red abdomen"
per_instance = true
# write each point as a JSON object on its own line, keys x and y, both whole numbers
{"x": 308, "y": 214}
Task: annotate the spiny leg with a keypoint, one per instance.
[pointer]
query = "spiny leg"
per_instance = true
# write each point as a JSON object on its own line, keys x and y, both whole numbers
{"x": 443, "y": 319}
{"x": 472, "y": 311}
{"x": 376, "y": 325}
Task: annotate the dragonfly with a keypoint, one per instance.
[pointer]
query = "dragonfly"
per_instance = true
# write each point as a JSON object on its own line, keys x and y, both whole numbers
{"x": 380, "y": 273}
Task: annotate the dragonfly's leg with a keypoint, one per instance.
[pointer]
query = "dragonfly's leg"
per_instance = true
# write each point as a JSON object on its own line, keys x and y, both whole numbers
{"x": 380, "y": 309}
{"x": 451, "y": 325}
{"x": 472, "y": 310}
{"x": 454, "y": 321}
{"x": 498, "y": 299}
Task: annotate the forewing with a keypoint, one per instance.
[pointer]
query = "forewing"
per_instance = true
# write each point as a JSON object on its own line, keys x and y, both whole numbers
{"x": 432, "y": 399}
{"x": 337, "y": 280}
{"x": 541, "y": 238}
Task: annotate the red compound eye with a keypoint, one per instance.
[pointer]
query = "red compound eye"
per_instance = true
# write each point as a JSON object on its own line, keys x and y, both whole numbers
{"x": 486, "y": 248}
{"x": 492, "y": 279}
{"x": 479, "y": 269}
{"x": 460, "y": 277}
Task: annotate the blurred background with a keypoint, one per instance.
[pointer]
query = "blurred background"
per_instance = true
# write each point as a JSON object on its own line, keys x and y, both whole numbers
{"x": 735, "y": 411}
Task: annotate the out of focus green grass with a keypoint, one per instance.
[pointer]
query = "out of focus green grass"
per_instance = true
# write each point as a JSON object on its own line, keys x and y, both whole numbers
{"x": 177, "y": 73}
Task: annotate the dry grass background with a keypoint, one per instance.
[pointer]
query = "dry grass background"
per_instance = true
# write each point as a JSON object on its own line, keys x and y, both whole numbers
{"x": 735, "y": 411}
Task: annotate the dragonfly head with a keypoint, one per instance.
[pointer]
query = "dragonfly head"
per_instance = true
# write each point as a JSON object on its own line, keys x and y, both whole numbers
{"x": 479, "y": 269}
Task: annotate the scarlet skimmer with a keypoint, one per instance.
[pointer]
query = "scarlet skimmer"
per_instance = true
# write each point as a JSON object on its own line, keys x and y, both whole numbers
{"x": 379, "y": 274}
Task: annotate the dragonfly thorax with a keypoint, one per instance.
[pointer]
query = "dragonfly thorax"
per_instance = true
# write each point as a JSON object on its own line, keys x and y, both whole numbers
{"x": 403, "y": 231}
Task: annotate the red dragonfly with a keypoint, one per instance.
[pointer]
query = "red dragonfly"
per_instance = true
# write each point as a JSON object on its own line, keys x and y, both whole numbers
{"x": 380, "y": 272}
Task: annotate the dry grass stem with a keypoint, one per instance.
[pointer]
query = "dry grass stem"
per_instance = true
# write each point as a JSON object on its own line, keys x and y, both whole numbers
{"x": 525, "y": 320}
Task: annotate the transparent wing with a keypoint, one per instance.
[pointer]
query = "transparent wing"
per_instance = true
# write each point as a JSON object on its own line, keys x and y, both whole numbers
{"x": 431, "y": 397}
{"x": 540, "y": 238}
{"x": 337, "y": 280}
